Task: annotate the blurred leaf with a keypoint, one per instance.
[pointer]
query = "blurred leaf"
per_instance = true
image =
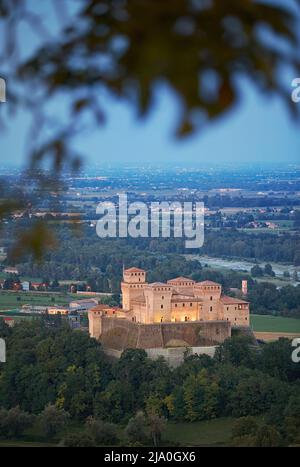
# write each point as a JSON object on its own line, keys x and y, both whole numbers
{"x": 35, "y": 241}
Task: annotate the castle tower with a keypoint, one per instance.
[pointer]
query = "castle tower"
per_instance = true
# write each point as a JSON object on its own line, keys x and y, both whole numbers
{"x": 158, "y": 302}
{"x": 182, "y": 285}
{"x": 134, "y": 281}
{"x": 210, "y": 292}
{"x": 95, "y": 322}
{"x": 245, "y": 288}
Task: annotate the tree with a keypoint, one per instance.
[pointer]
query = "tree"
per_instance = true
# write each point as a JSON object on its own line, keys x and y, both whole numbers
{"x": 246, "y": 432}
{"x": 137, "y": 429}
{"x": 291, "y": 414}
{"x": 295, "y": 276}
{"x": 257, "y": 271}
{"x": 157, "y": 426}
{"x": 101, "y": 432}
{"x": 14, "y": 422}
{"x": 176, "y": 405}
{"x": 5, "y": 330}
{"x": 200, "y": 397}
{"x": 244, "y": 426}
{"x": 55, "y": 285}
{"x": 256, "y": 395}
{"x": 297, "y": 257}
{"x": 267, "y": 437}
{"x": 8, "y": 284}
{"x": 269, "y": 270}
{"x": 52, "y": 421}
{"x": 114, "y": 403}
{"x": 275, "y": 360}
{"x": 237, "y": 351}
{"x": 78, "y": 440}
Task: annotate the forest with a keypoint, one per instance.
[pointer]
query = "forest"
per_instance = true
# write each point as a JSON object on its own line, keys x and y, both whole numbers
{"x": 56, "y": 378}
{"x": 75, "y": 252}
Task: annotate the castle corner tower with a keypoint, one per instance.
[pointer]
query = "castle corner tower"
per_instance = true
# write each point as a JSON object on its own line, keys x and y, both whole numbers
{"x": 134, "y": 281}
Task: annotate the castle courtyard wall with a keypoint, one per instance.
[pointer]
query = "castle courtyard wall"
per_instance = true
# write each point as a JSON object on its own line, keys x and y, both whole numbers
{"x": 173, "y": 356}
{"x": 121, "y": 334}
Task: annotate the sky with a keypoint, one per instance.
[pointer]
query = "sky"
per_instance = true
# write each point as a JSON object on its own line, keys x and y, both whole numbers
{"x": 260, "y": 130}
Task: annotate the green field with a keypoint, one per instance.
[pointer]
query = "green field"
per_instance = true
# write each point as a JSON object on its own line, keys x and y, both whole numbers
{"x": 261, "y": 323}
{"x": 24, "y": 444}
{"x": 4, "y": 276}
{"x": 207, "y": 433}
{"x": 9, "y": 300}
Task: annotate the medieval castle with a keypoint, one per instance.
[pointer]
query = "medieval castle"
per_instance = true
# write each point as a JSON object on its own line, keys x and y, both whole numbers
{"x": 179, "y": 313}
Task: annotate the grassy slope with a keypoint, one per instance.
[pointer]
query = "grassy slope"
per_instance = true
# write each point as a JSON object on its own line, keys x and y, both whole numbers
{"x": 9, "y": 300}
{"x": 24, "y": 444}
{"x": 263, "y": 323}
{"x": 206, "y": 433}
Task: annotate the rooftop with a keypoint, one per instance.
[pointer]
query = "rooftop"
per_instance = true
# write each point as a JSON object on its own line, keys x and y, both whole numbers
{"x": 180, "y": 279}
{"x": 134, "y": 270}
{"x": 232, "y": 300}
{"x": 158, "y": 284}
{"x": 106, "y": 308}
{"x": 209, "y": 283}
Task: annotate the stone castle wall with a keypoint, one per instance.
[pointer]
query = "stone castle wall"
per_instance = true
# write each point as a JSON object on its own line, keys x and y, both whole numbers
{"x": 121, "y": 334}
{"x": 173, "y": 356}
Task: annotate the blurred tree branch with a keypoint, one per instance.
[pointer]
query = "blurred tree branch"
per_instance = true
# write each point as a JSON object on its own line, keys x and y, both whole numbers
{"x": 128, "y": 47}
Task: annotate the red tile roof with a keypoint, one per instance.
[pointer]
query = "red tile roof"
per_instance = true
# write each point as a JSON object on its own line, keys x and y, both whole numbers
{"x": 209, "y": 283}
{"x": 102, "y": 307}
{"x": 158, "y": 284}
{"x": 134, "y": 270}
{"x": 180, "y": 279}
{"x": 232, "y": 300}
